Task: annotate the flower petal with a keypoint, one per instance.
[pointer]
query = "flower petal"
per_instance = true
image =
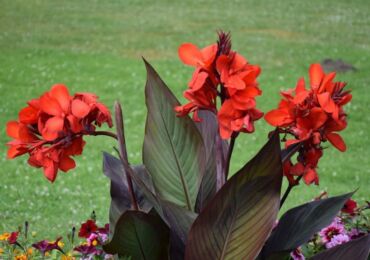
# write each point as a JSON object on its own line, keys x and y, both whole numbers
{"x": 190, "y": 54}
{"x": 28, "y": 115}
{"x": 66, "y": 163}
{"x": 52, "y": 128}
{"x": 80, "y": 109}
{"x": 278, "y": 117}
{"x": 316, "y": 75}
{"x": 50, "y": 169}
{"x": 209, "y": 54}
{"x": 60, "y": 93}
{"x": 337, "y": 141}
{"x": 12, "y": 129}
{"x": 300, "y": 87}
{"x": 326, "y": 102}
{"x": 50, "y": 105}
{"x": 310, "y": 177}
{"x": 317, "y": 117}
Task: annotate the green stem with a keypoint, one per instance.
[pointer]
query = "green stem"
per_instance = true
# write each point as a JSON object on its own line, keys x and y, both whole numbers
{"x": 290, "y": 187}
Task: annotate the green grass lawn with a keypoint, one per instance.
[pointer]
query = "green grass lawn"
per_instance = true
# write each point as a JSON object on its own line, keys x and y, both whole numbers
{"x": 96, "y": 46}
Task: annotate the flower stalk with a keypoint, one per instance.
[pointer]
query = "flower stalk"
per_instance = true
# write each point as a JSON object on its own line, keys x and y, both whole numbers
{"x": 123, "y": 153}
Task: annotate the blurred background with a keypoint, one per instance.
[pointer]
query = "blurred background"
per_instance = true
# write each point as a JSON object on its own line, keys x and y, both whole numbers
{"x": 96, "y": 46}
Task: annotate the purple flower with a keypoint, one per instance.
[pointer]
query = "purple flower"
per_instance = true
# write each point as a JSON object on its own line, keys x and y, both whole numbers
{"x": 103, "y": 238}
{"x": 45, "y": 246}
{"x": 355, "y": 233}
{"x": 337, "y": 240}
{"x": 297, "y": 254}
{"x": 335, "y": 228}
{"x": 88, "y": 250}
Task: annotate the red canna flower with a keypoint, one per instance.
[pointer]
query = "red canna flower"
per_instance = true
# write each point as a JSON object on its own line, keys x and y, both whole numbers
{"x": 224, "y": 73}
{"x": 233, "y": 120}
{"x": 12, "y": 239}
{"x": 312, "y": 116}
{"x": 87, "y": 228}
{"x": 50, "y": 129}
{"x": 350, "y": 207}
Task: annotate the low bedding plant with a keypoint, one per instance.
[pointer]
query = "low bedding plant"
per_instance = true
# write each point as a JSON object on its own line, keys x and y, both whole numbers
{"x": 182, "y": 202}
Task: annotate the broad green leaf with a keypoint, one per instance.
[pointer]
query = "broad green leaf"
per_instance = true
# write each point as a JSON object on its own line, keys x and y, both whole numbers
{"x": 173, "y": 150}
{"x": 357, "y": 249}
{"x": 141, "y": 236}
{"x": 120, "y": 197}
{"x": 208, "y": 127}
{"x": 238, "y": 220}
{"x": 299, "y": 224}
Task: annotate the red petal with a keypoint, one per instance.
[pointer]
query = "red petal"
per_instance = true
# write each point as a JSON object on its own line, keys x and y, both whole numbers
{"x": 311, "y": 176}
{"x": 16, "y": 150}
{"x": 300, "y": 87}
{"x": 190, "y": 54}
{"x": 336, "y": 140}
{"x": 28, "y": 115}
{"x": 316, "y": 75}
{"x": 52, "y": 128}
{"x": 209, "y": 54}
{"x": 12, "y": 129}
{"x": 278, "y": 117}
{"x": 66, "y": 163}
{"x": 300, "y": 97}
{"x": 198, "y": 81}
{"x": 50, "y": 105}
{"x": 76, "y": 147}
{"x": 79, "y": 108}
{"x": 235, "y": 82}
{"x": 317, "y": 117}
{"x": 238, "y": 62}
{"x": 326, "y": 102}
{"x": 60, "y": 93}
{"x": 50, "y": 170}
{"x": 225, "y": 133}
{"x": 222, "y": 65}
{"x": 327, "y": 84}
{"x": 74, "y": 123}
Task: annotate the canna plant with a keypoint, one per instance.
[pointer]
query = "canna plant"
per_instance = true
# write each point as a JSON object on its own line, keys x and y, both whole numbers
{"x": 182, "y": 202}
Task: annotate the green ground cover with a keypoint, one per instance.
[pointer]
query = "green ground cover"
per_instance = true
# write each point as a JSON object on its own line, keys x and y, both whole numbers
{"x": 97, "y": 46}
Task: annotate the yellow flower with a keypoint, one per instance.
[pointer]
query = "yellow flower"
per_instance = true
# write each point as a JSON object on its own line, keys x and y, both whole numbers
{"x": 95, "y": 243}
{"x": 60, "y": 244}
{"x": 1, "y": 251}
{"x": 20, "y": 257}
{"x": 4, "y": 236}
{"x": 29, "y": 251}
{"x": 68, "y": 257}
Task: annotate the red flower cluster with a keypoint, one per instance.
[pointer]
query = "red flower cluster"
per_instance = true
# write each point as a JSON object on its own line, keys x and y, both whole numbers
{"x": 350, "y": 207}
{"x": 311, "y": 116}
{"x": 221, "y": 72}
{"x": 13, "y": 238}
{"x": 87, "y": 228}
{"x": 50, "y": 128}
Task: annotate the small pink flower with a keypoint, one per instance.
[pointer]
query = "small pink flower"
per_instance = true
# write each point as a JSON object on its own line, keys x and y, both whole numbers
{"x": 335, "y": 228}
{"x": 297, "y": 254}
{"x": 337, "y": 240}
{"x": 93, "y": 237}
